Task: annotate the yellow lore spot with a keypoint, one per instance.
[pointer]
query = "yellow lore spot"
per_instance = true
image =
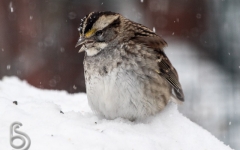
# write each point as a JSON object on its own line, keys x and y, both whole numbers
{"x": 90, "y": 33}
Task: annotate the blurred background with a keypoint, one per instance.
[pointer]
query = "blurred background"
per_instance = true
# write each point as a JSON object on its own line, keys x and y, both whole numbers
{"x": 38, "y": 37}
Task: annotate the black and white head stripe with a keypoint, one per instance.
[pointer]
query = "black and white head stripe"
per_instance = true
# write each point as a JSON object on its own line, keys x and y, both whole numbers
{"x": 88, "y": 21}
{"x": 81, "y": 24}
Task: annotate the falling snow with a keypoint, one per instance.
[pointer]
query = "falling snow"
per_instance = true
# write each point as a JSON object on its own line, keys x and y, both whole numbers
{"x": 8, "y": 67}
{"x": 198, "y": 16}
{"x": 62, "y": 49}
{"x": 31, "y": 17}
{"x": 141, "y": 1}
{"x": 154, "y": 30}
{"x": 74, "y": 87}
{"x": 11, "y": 7}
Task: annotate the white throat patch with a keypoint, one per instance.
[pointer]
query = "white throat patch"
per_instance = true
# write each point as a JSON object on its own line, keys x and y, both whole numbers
{"x": 95, "y": 49}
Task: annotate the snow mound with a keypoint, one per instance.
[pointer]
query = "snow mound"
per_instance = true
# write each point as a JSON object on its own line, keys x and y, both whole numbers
{"x": 77, "y": 127}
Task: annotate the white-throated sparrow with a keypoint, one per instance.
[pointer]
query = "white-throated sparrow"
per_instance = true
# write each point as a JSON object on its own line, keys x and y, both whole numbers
{"x": 127, "y": 73}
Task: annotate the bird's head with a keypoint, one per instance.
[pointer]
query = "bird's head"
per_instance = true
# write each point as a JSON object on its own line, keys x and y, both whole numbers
{"x": 97, "y": 30}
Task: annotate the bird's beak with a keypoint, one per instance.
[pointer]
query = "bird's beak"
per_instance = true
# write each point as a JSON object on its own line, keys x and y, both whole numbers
{"x": 81, "y": 43}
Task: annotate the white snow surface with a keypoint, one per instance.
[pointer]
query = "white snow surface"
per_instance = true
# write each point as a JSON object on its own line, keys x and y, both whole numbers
{"x": 80, "y": 129}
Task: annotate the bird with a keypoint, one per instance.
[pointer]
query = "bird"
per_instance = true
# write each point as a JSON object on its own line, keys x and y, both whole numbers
{"x": 127, "y": 73}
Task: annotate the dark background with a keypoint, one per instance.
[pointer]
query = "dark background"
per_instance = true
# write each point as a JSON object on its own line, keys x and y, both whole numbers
{"x": 38, "y": 37}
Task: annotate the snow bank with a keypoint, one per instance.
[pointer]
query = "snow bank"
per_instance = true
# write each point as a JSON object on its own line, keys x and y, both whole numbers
{"x": 77, "y": 128}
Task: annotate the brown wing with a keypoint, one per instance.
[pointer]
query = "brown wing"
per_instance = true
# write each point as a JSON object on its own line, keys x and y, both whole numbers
{"x": 166, "y": 70}
{"x": 169, "y": 72}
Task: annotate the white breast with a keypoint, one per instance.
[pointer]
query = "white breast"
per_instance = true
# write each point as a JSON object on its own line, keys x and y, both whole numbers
{"x": 119, "y": 94}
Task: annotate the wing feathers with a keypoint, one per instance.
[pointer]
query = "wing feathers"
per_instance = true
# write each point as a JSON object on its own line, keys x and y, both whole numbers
{"x": 166, "y": 70}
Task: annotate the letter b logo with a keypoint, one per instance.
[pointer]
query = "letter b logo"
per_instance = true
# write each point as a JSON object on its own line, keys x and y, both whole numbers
{"x": 19, "y": 135}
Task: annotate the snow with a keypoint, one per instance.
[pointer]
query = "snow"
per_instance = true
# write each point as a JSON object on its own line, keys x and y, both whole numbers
{"x": 8, "y": 67}
{"x": 79, "y": 128}
{"x": 11, "y": 7}
{"x": 154, "y": 30}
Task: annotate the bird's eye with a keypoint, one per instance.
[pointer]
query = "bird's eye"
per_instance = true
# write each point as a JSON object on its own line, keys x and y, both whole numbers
{"x": 99, "y": 33}
{"x": 99, "y": 36}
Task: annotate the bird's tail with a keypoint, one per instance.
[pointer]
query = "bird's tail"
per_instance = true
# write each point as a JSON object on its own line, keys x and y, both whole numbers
{"x": 178, "y": 96}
